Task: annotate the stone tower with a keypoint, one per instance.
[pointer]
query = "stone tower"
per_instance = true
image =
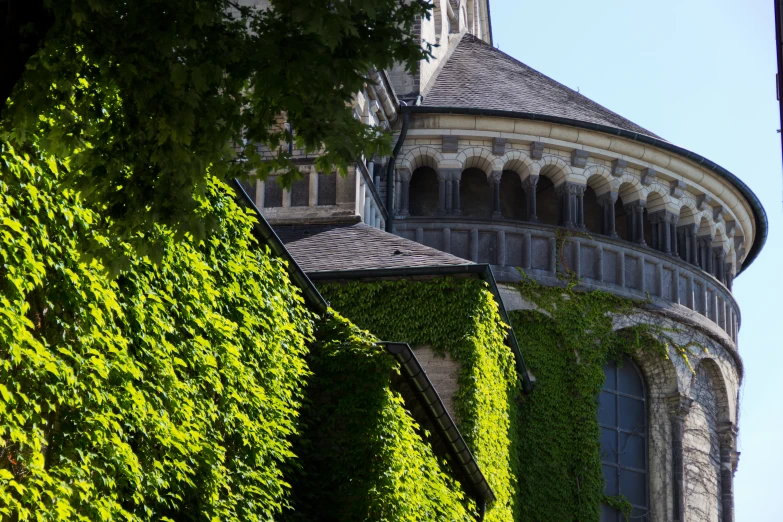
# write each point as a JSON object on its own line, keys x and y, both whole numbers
{"x": 495, "y": 158}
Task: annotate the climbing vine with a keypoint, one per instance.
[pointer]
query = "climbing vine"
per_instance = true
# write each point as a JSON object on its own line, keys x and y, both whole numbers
{"x": 458, "y": 317}
{"x": 167, "y": 393}
{"x": 566, "y": 340}
{"x": 362, "y": 456}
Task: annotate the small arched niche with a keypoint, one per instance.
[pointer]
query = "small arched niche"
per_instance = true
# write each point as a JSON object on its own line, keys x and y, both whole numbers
{"x": 513, "y": 204}
{"x": 423, "y": 192}
{"x": 474, "y": 194}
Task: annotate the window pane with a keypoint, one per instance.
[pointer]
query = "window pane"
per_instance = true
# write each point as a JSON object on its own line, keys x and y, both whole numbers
{"x": 634, "y": 486}
{"x": 630, "y": 380}
{"x": 632, "y": 451}
{"x": 610, "y": 480}
{"x": 608, "y": 514}
{"x": 607, "y": 409}
{"x": 639, "y": 515}
{"x": 631, "y": 414}
{"x": 608, "y": 445}
{"x": 610, "y": 381}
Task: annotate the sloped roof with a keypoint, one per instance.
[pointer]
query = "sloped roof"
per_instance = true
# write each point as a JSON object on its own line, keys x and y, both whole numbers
{"x": 478, "y": 76}
{"x": 320, "y": 248}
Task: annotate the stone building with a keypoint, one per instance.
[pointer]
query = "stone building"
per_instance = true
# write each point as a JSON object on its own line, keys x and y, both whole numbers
{"x": 493, "y": 159}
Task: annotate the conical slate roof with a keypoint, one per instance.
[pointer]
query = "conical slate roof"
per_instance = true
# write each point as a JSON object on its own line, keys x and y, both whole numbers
{"x": 478, "y": 76}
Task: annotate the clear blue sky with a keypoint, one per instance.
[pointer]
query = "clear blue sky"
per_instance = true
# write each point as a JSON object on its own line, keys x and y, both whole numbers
{"x": 701, "y": 74}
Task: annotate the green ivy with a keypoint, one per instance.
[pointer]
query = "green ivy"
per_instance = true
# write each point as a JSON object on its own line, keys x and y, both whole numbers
{"x": 565, "y": 342}
{"x": 458, "y": 316}
{"x": 167, "y": 393}
{"x": 362, "y": 456}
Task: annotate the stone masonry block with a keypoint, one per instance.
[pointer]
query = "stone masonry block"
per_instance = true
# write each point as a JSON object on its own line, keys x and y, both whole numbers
{"x": 618, "y": 167}
{"x": 579, "y": 158}
{"x": 499, "y": 146}
{"x": 450, "y": 143}
{"x": 536, "y": 150}
{"x": 648, "y": 176}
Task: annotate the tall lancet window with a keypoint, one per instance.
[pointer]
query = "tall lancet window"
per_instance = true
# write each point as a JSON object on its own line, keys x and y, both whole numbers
{"x": 622, "y": 416}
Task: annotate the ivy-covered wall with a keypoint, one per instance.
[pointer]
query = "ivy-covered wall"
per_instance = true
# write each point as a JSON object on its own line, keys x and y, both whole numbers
{"x": 362, "y": 457}
{"x": 168, "y": 392}
{"x": 565, "y": 342}
{"x": 458, "y": 316}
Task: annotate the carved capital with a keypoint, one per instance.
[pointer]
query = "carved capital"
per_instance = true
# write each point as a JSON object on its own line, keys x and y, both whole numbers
{"x": 648, "y": 176}
{"x": 499, "y": 146}
{"x": 608, "y": 198}
{"x": 739, "y": 241}
{"x": 679, "y": 406}
{"x": 677, "y": 188}
{"x": 495, "y": 176}
{"x": 530, "y": 182}
{"x": 449, "y": 174}
{"x": 663, "y": 216}
{"x": 727, "y": 433}
{"x": 536, "y": 150}
{"x": 579, "y": 158}
{"x": 450, "y": 143}
{"x": 404, "y": 174}
{"x": 705, "y": 240}
{"x": 635, "y": 206}
{"x": 703, "y": 202}
{"x": 618, "y": 167}
{"x": 570, "y": 188}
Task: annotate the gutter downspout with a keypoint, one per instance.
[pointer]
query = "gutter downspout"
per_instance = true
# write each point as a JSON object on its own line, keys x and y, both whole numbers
{"x": 390, "y": 169}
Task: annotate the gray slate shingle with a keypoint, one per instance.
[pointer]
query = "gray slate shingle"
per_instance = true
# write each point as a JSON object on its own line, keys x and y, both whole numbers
{"x": 320, "y": 248}
{"x": 479, "y": 76}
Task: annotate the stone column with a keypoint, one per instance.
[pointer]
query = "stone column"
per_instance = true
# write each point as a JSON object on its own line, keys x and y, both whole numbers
{"x": 635, "y": 215}
{"x": 529, "y": 186}
{"x": 568, "y": 196}
{"x": 727, "y": 434}
{"x": 405, "y": 195}
{"x": 442, "y": 193}
{"x": 663, "y": 222}
{"x": 687, "y": 238}
{"x": 455, "y": 208}
{"x": 704, "y": 244}
{"x": 718, "y": 264}
{"x": 580, "y": 206}
{"x": 607, "y": 202}
{"x": 679, "y": 406}
{"x": 494, "y": 184}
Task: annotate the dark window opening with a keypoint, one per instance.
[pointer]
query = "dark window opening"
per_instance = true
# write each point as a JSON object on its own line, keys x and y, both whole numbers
{"x": 327, "y": 189}
{"x": 620, "y": 220}
{"x": 513, "y": 204}
{"x": 592, "y": 211}
{"x": 474, "y": 194}
{"x": 546, "y": 201}
{"x": 273, "y": 193}
{"x": 423, "y": 192}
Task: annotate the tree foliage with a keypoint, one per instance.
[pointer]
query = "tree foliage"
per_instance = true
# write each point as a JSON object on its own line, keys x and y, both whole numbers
{"x": 148, "y": 99}
{"x": 168, "y": 393}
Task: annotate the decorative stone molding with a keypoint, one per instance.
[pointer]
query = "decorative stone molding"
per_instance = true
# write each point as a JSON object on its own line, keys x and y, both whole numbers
{"x": 579, "y": 158}
{"x": 450, "y": 143}
{"x": 702, "y": 202}
{"x": 648, "y": 176}
{"x": 731, "y": 226}
{"x": 618, "y": 167}
{"x": 717, "y": 213}
{"x": 498, "y": 146}
{"x": 536, "y": 150}
{"x": 677, "y": 188}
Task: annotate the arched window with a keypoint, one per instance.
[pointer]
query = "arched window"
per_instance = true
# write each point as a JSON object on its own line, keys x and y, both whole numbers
{"x": 622, "y": 416}
{"x": 423, "y": 190}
